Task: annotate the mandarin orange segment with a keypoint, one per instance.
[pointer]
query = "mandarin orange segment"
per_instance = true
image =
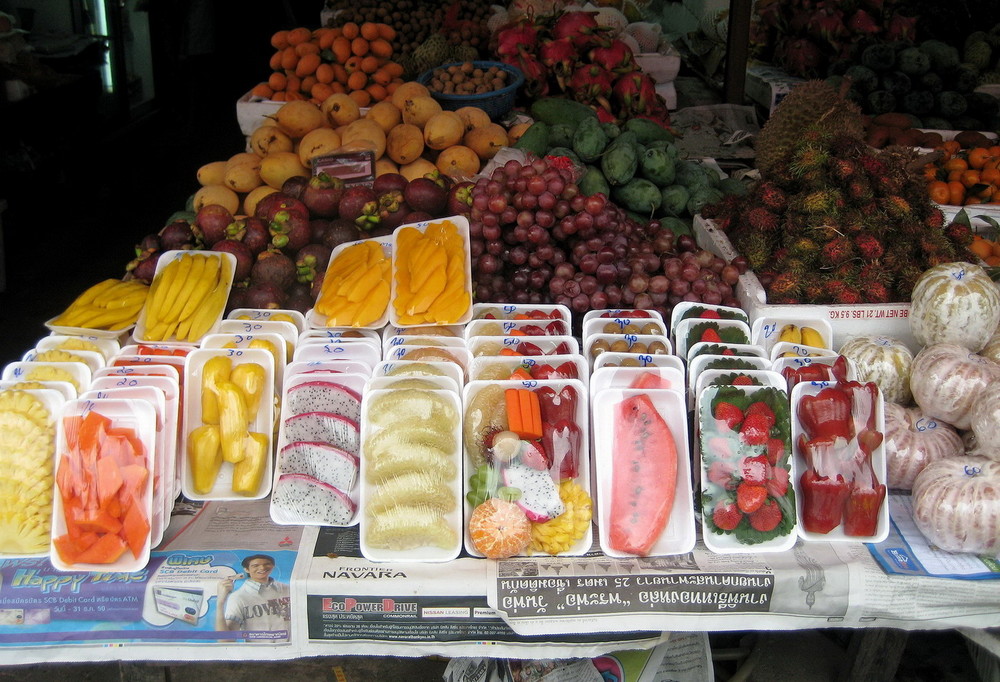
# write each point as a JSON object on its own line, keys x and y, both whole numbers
{"x": 499, "y": 529}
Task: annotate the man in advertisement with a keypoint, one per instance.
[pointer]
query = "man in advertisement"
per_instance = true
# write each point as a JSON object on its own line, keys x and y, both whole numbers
{"x": 260, "y": 604}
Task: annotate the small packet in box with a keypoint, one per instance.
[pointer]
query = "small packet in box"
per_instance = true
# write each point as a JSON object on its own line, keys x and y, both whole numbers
{"x": 741, "y": 350}
{"x": 623, "y": 325}
{"x": 515, "y": 311}
{"x": 612, "y": 313}
{"x": 612, "y": 359}
{"x": 544, "y": 327}
{"x": 692, "y": 330}
{"x": 748, "y": 500}
{"x": 254, "y": 315}
{"x": 451, "y": 371}
{"x": 646, "y": 378}
{"x": 688, "y": 309}
{"x": 767, "y": 331}
{"x": 502, "y": 368}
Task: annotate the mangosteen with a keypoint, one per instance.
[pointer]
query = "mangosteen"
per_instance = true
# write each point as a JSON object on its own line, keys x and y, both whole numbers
{"x": 341, "y": 230}
{"x": 354, "y": 200}
{"x": 237, "y": 297}
{"x": 256, "y": 235}
{"x": 151, "y": 242}
{"x": 317, "y": 284}
{"x": 392, "y": 209}
{"x": 388, "y": 182}
{"x": 318, "y": 227}
{"x": 279, "y": 201}
{"x": 424, "y": 194}
{"x": 177, "y": 235}
{"x": 143, "y": 267}
{"x": 273, "y": 267}
{"x": 299, "y": 298}
{"x": 294, "y": 186}
{"x": 460, "y": 198}
{"x": 244, "y": 256}
{"x": 289, "y": 231}
{"x": 321, "y": 195}
{"x": 417, "y": 217}
{"x": 265, "y": 295}
{"x": 379, "y": 230}
{"x": 310, "y": 259}
{"x": 211, "y": 222}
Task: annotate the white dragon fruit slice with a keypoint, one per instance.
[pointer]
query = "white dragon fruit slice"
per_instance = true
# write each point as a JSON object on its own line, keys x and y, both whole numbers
{"x": 324, "y": 427}
{"x": 319, "y": 460}
{"x": 300, "y": 499}
{"x": 323, "y": 396}
{"x": 539, "y": 493}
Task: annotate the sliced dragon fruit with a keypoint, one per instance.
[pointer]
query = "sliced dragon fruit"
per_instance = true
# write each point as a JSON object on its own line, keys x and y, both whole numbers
{"x": 300, "y": 499}
{"x": 323, "y": 396}
{"x": 319, "y": 460}
{"x": 539, "y": 493}
{"x": 324, "y": 427}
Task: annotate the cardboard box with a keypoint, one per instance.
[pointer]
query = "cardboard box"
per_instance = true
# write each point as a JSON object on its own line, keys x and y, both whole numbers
{"x": 847, "y": 321}
{"x": 767, "y": 85}
{"x": 252, "y": 113}
{"x": 663, "y": 66}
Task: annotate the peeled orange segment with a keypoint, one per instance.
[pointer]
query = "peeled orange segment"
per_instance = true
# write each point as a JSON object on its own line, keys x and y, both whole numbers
{"x": 408, "y": 527}
{"x": 389, "y": 463}
{"x": 430, "y": 406}
{"x": 499, "y": 529}
{"x": 412, "y": 488}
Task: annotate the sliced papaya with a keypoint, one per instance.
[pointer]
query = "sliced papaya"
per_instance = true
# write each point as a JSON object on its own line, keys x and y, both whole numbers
{"x": 135, "y": 529}
{"x": 109, "y": 480}
{"x": 107, "y": 549}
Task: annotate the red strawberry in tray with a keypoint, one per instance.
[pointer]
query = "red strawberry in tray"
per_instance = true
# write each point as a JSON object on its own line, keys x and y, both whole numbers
{"x": 750, "y": 497}
{"x": 767, "y": 517}
{"x": 728, "y": 414}
{"x": 755, "y": 470}
{"x": 722, "y": 473}
{"x": 756, "y": 429}
{"x": 726, "y": 515}
{"x": 710, "y": 335}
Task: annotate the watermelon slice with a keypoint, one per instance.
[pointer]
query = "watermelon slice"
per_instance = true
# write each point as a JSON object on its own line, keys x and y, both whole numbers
{"x": 643, "y": 476}
{"x": 649, "y": 379}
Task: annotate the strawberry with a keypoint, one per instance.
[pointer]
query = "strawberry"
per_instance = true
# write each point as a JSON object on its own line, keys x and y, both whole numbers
{"x": 728, "y": 414}
{"x": 710, "y": 314}
{"x": 711, "y": 335}
{"x": 755, "y": 470}
{"x": 742, "y": 380}
{"x": 721, "y": 473}
{"x": 775, "y": 450}
{"x": 762, "y": 408}
{"x": 729, "y": 352}
{"x": 766, "y": 517}
{"x": 777, "y": 485}
{"x": 749, "y": 497}
{"x": 532, "y": 455}
{"x": 726, "y": 515}
{"x": 755, "y": 430}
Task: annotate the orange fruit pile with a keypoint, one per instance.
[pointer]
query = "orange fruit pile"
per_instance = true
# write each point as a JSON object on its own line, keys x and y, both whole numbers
{"x": 961, "y": 178}
{"x": 314, "y": 64}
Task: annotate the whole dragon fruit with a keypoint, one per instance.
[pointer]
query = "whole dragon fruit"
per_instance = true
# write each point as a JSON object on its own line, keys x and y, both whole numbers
{"x": 579, "y": 26}
{"x": 615, "y": 57}
{"x": 635, "y": 93}
{"x": 536, "y": 76}
{"x": 539, "y": 493}
{"x": 590, "y": 82}
{"x": 560, "y": 56}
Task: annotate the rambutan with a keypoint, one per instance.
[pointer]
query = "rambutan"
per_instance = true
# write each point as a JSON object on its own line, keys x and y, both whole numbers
{"x": 836, "y": 251}
{"x": 772, "y": 196}
{"x": 860, "y": 190}
{"x": 935, "y": 217}
{"x": 785, "y": 285}
{"x": 755, "y": 246}
{"x": 848, "y": 296}
{"x": 868, "y": 246}
{"x": 960, "y": 235}
{"x": 841, "y": 292}
{"x": 807, "y": 159}
{"x": 896, "y": 207}
{"x": 873, "y": 167}
{"x": 803, "y": 247}
{"x": 823, "y": 201}
{"x": 814, "y": 289}
{"x": 874, "y": 272}
{"x": 759, "y": 218}
{"x": 843, "y": 169}
{"x": 876, "y": 292}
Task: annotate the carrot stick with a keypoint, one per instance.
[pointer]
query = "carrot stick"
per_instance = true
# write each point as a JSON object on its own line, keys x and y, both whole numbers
{"x": 513, "y": 404}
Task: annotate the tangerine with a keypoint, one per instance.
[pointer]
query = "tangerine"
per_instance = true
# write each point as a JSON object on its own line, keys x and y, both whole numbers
{"x": 499, "y": 529}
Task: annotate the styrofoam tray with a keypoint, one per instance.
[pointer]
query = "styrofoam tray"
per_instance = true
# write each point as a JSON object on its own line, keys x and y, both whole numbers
{"x": 549, "y": 345}
{"x": 421, "y": 368}
{"x": 318, "y": 321}
{"x": 368, "y": 488}
{"x": 241, "y": 342}
{"x": 678, "y": 535}
{"x": 634, "y": 344}
{"x": 482, "y": 327}
{"x": 262, "y": 423}
{"x": 286, "y": 330}
{"x": 689, "y": 309}
{"x": 508, "y": 364}
{"x": 766, "y": 331}
{"x": 612, "y": 313}
{"x": 738, "y": 328}
{"x": 510, "y": 311}
{"x": 77, "y": 373}
{"x": 623, "y": 377}
{"x": 623, "y": 325}
{"x": 739, "y": 350}
{"x": 360, "y": 351}
{"x": 106, "y": 347}
{"x": 611, "y": 359}
{"x": 255, "y": 315}
{"x": 785, "y": 349}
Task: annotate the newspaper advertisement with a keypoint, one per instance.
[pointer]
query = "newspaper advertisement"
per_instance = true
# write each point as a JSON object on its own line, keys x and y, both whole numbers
{"x": 347, "y": 604}
{"x": 907, "y": 552}
{"x": 814, "y": 585}
{"x": 221, "y": 602}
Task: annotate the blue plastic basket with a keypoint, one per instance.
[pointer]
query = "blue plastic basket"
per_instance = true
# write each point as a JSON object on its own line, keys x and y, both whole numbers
{"x": 496, "y": 103}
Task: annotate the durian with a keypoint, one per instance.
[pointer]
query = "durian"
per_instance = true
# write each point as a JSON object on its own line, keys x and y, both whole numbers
{"x": 812, "y": 106}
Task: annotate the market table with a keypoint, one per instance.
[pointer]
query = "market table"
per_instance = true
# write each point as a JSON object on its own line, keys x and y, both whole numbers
{"x": 526, "y": 607}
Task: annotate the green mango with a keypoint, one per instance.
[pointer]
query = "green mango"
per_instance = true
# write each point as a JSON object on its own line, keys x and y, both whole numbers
{"x": 561, "y": 135}
{"x": 656, "y": 165}
{"x": 674, "y": 199}
{"x": 535, "y": 139}
{"x": 589, "y": 140}
{"x": 621, "y": 159}
{"x": 593, "y": 181}
{"x": 639, "y": 195}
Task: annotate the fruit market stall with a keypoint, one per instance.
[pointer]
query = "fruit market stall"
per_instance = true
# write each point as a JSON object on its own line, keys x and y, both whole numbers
{"x": 484, "y": 370}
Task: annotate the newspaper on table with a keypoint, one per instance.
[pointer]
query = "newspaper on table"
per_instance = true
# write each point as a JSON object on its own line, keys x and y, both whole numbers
{"x": 907, "y": 552}
{"x": 813, "y": 585}
{"x": 219, "y": 552}
{"x": 346, "y": 604}
{"x": 716, "y": 131}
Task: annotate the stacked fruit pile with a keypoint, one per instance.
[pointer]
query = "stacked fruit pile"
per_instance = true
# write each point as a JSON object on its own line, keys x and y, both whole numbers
{"x": 834, "y": 221}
